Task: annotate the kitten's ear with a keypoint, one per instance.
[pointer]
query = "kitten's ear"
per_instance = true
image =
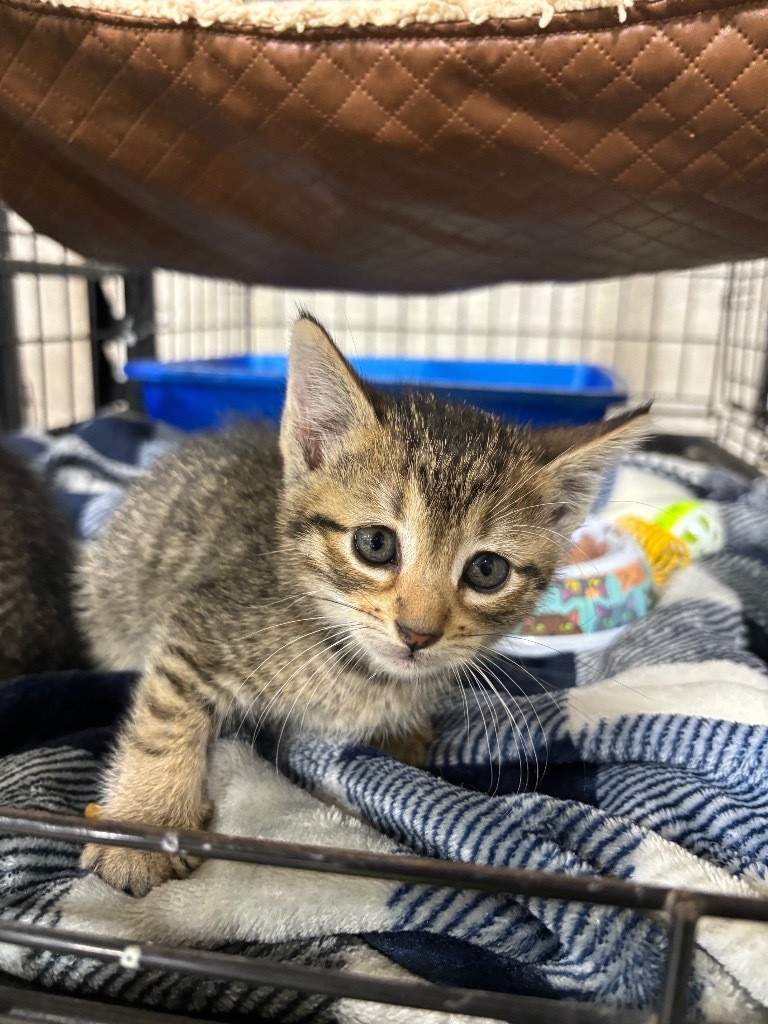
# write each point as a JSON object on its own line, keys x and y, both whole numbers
{"x": 325, "y": 399}
{"x": 578, "y": 457}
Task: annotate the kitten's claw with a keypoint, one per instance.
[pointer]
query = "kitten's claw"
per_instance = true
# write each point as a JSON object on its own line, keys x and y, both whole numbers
{"x": 135, "y": 871}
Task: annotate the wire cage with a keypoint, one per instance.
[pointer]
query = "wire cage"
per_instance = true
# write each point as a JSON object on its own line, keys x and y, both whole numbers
{"x": 696, "y": 341}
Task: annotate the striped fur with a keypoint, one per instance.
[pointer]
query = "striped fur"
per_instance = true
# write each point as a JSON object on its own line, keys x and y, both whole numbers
{"x": 37, "y": 624}
{"x": 230, "y": 577}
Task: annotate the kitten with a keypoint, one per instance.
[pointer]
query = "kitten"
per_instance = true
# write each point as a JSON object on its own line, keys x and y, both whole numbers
{"x": 340, "y": 582}
{"x": 37, "y": 624}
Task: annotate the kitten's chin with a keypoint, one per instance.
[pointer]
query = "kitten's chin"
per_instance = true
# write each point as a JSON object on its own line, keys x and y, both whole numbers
{"x": 405, "y": 666}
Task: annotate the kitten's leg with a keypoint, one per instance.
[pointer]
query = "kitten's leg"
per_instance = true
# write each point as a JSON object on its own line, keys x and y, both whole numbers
{"x": 413, "y": 747}
{"x": 158, "y": 774}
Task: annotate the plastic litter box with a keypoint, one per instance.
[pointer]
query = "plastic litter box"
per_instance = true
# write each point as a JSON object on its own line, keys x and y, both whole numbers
{"x": 211, "y": 392}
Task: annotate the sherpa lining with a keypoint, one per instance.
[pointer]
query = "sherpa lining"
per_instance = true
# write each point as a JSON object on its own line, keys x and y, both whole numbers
{"x": 299, "y": 15}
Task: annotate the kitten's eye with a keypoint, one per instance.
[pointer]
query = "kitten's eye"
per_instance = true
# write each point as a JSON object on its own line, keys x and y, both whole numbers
{"x": 486, "y": 571}
{"x": 375, "y": 544}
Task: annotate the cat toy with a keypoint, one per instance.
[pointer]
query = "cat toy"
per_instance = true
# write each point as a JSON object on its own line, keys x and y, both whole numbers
{"x": 665, "y": 552}
{"x": 698, "y": 523}
{"x": 681, "y": 532}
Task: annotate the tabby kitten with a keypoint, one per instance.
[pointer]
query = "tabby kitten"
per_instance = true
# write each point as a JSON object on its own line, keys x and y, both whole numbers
{"x": 340, "y": 582}
{"x": 37, "y": 624}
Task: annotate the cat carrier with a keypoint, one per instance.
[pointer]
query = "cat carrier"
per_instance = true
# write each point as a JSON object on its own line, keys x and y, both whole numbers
{"x": 518, "y": 184}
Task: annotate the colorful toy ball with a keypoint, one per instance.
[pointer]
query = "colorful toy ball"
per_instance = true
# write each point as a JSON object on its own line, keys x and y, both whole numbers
{"x": 698, "y": 523}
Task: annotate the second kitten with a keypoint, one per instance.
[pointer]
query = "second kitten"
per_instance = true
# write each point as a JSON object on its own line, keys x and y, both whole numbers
{"x": 37, "y": 625}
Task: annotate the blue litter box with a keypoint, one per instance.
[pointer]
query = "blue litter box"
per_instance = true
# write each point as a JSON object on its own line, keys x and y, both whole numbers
{"x": 210, "y": 392}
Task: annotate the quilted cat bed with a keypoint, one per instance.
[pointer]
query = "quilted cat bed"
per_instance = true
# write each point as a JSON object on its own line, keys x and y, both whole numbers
{"x": 389, "y": 144}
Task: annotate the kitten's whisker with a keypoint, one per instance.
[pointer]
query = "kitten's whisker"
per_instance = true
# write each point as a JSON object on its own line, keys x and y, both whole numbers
{"x": 455, "y": 673}
{"x": 309, "y": 700}
{"x": 350, "y": 607}
{"x": 295, "y": 640}
{"x": 325, "y": 664}
{"x": 571, "y": 692}
{"x": 635, "y": 501}
{"x": 332, "y": 655}
{"x": 519, "y": 739}
{"x": 352, "y": 642}
{"x": 518, "y": 636}
{"x": 492, "y": 670}
{"x": 359, "y": 658}
{"x": 278, "y": 625}
{"x": 325, "y": 643}
{"x": 493, "y": 655}
{"x": 485, "y": 727}
{"x": 302, "y": 689}
{"x": 466, "y": 705}
{"x": 288, "y": 601}
{"x": 274, "y": 626}
{"x": 314, "y": 632}
{"x": 265, "y": 712}
{"x": 329, "y": 665}
{"x": 494, "y": 716}
{"x": 516, "y": 734}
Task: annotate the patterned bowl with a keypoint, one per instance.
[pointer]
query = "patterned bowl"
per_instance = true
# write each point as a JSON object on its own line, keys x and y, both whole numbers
{"x": 607, "y": 586}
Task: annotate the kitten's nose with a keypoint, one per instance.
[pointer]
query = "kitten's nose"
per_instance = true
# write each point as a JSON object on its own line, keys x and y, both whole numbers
{"x": 416, "y": 641}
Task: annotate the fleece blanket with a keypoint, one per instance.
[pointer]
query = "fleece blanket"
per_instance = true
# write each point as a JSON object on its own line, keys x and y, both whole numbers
{"x": 647, "y": 760}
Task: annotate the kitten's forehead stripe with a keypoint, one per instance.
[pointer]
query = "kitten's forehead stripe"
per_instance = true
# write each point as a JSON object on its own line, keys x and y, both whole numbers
{"x": 456, "y": 455}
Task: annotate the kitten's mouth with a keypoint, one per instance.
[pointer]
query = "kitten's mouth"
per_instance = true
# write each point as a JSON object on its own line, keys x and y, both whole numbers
{"x": 402, "y": 663}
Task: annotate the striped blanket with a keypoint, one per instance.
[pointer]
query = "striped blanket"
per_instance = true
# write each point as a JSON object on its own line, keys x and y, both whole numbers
{"x": 647, "y": 760}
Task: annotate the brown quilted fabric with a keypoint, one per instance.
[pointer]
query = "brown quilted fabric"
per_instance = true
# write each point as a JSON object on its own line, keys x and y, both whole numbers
{"x": 410, "y": 159}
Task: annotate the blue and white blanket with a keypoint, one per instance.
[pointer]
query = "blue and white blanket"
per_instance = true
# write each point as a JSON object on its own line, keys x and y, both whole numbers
{"x": 645, "y": 761}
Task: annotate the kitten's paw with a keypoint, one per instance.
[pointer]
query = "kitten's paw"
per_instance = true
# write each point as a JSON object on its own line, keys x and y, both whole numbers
{"x": 412, "y": 748}
{"x": 135, "y": 871}
{"x": 138, "y": 871}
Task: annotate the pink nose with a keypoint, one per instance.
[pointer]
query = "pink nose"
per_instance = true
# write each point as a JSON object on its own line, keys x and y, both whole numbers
{"x": 416, "y": 641}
